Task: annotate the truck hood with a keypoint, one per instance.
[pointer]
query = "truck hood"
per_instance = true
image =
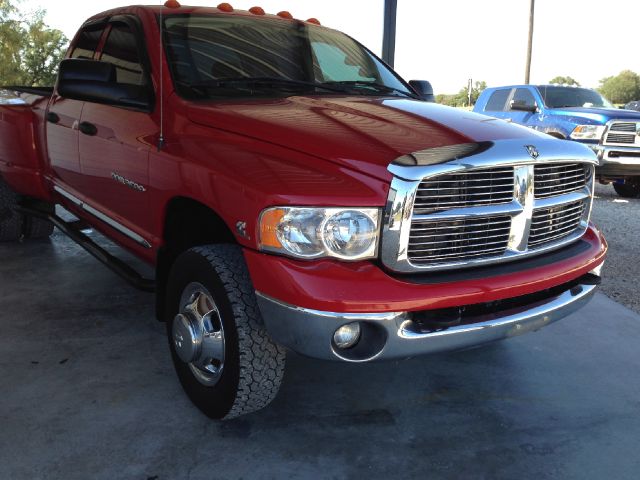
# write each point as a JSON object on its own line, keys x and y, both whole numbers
{"x": 362, "y": 133}
{"x": 599, "y": 115}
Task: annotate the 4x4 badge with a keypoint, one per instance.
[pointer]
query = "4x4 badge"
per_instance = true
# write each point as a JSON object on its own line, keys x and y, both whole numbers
{"x": 533, "y": 151}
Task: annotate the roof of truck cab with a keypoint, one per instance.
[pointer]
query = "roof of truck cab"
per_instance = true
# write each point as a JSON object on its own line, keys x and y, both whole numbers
{"x": 186, "y": 9}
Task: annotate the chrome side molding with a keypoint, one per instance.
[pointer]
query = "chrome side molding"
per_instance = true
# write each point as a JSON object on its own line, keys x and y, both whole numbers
{"x": 127, "y": 232}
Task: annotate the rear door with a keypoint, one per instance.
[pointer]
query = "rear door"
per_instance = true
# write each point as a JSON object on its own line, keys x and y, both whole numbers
{"x": 114, "y": 141}
{"x": 64, "y": 117}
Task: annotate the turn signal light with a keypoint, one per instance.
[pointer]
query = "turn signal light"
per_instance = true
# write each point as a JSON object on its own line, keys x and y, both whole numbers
{"x": 225, "y": 7}
{"x": 172, "y": 4}
{"x": 257, "y": 10}
{"x": 285, "y": 14}
{"x": 315, "y": 21}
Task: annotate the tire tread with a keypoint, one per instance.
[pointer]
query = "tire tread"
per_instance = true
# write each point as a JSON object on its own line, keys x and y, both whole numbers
{"x": 261, "y": 360}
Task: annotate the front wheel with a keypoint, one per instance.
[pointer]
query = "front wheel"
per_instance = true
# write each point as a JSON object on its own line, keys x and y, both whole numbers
{"x": 225, "y": 360}
{"x": 629, "y": 189}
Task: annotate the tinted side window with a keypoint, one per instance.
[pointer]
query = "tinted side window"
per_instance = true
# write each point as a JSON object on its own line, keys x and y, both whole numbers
{"x": 121, "y": 50}
{"x": 497, "y": 100}
{"x": 87, "y": 42}
{"x": 524, "y": 97}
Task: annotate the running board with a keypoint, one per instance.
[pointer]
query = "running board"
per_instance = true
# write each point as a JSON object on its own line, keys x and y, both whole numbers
{"x": 73, "y": 231}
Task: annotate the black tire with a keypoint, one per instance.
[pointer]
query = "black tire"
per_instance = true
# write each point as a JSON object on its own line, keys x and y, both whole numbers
{"x": 253, "y": 363}
{"x": 629, "y": 189}
{"x": 37, "y": 228}
{"x": 10, "y": 221}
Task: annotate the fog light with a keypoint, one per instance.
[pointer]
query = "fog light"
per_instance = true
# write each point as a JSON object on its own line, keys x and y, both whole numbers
{"x": 347, "y": 335}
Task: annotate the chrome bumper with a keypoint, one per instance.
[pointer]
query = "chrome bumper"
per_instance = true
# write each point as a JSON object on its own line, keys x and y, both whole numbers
{"x": 617, "y": 161}
{"x": 396, "y": 335}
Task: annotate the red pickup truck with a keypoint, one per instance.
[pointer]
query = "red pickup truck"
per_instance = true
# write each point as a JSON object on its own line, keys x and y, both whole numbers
{"x": 292, "y": 191}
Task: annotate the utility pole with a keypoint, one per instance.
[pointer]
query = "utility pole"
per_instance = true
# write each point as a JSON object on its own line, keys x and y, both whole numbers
{"x": 389, "y": 36}
{"x": 527, "y": 67}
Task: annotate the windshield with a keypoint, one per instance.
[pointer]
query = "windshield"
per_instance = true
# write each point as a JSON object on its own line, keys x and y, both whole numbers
{"x": 558, "y": 97}
{"x": 214, "y": 56}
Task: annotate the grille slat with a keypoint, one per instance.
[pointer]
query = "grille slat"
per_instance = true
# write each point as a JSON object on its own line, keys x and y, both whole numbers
{"x": 621, "y": 138}
{"x": 490, "y": 186}
{"x": 449, "y": 257}
{"x": 623, "y": 127}
{"x": 553, "y": 180}
{"x": 417, "y": 247}
{"x": 553, "y": 223}
{"x": 458, "y": 239}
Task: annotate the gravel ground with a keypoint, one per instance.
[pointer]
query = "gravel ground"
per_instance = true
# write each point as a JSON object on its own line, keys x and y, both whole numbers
{"x": 619, "y": 219}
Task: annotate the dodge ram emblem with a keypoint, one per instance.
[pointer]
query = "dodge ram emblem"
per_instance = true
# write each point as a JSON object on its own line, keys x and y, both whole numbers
{"x": 533, "y": 151}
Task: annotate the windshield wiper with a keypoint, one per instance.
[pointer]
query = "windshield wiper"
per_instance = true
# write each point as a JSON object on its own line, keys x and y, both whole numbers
{"x": 373, "y": 86}
{"x": 262, "y": 83}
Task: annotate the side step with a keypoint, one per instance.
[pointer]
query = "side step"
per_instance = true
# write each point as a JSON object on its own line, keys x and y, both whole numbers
{"x": 73, "y": 231}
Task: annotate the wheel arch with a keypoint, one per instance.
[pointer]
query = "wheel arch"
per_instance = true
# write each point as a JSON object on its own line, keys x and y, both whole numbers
{"x": 187, "y": 223}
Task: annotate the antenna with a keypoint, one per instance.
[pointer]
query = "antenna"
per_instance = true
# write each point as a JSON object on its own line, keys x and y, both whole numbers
{"x": 161, "y": 73}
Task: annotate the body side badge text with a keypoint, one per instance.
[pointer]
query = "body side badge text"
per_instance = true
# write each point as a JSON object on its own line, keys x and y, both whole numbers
{"x": 129, "y": 183}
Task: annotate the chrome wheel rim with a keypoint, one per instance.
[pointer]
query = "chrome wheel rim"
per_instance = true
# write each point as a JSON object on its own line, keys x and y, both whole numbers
{"x": 198, "y": 334}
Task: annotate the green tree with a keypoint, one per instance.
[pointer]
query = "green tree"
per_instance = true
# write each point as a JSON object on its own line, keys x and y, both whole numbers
{"x": 30, "y": 51}
{"x": 461, "y": 99}
{"x": 622, "y": 88}
{"x": 560, "y": 80}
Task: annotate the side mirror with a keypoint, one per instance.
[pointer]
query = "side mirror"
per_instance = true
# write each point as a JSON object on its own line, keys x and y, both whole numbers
{"x": 522, "y": 106}
{"x": 423, "y": 89}
{"x": 94, "y": 81}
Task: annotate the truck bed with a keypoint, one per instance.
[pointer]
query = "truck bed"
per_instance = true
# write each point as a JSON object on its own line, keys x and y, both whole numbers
{"x": 22, "y": 138}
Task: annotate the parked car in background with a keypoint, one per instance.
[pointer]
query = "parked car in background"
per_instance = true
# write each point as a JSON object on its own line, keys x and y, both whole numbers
{"x": 579, "y": 114}
{"x": 635, "y": 105}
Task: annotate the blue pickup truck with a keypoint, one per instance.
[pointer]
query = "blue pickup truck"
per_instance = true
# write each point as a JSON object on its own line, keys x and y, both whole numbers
{"x": 579, "y": 114}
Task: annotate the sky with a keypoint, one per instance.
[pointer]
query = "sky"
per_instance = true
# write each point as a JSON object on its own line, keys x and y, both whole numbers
{"x": 449, "y": 41}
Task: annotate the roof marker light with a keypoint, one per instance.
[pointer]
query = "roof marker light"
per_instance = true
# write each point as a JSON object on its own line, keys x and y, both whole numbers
{"x": 257, "y": 10}
{"x": 315, "y": 21}
{"x": 172, "y": 4}
{"x": 285, "y": 14}
{"x": 225, "y": 7}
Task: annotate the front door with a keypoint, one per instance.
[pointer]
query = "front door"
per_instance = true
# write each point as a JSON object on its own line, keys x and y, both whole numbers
{"x": 114, "y": 142}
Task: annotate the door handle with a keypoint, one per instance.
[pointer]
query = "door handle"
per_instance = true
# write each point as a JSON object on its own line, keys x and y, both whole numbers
{"x": 88, "y": 128}
{"x": 53, "y": 117}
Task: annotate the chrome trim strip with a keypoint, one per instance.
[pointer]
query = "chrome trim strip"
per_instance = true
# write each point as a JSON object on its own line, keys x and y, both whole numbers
{"x": 521, "y": 223}
{"x": 68, "y": 196}
{"x": 512, "y": 209}
{"x": 101, "y": 216}
{"x": 399, "y": 213}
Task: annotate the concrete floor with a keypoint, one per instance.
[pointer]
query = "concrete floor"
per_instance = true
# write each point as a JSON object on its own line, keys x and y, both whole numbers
{"x": 89, "y": 392}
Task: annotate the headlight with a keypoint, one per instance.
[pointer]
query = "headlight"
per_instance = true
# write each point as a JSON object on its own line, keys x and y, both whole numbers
{"x": 302, "y": 232}
{"x": 587, "y": 132}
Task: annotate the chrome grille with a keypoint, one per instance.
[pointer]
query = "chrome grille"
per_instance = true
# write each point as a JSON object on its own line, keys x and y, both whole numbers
{"x": 509, "y": 200}
{"x": 552, "y": 180}
{"x": 436, "y": 242}
{"x": 554, "y": 223}
{"x": 624, "y": 133}
{"x": 477, "y": 188}
{"x": 623, "y": 127}
{"x": 621, "y": 138}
